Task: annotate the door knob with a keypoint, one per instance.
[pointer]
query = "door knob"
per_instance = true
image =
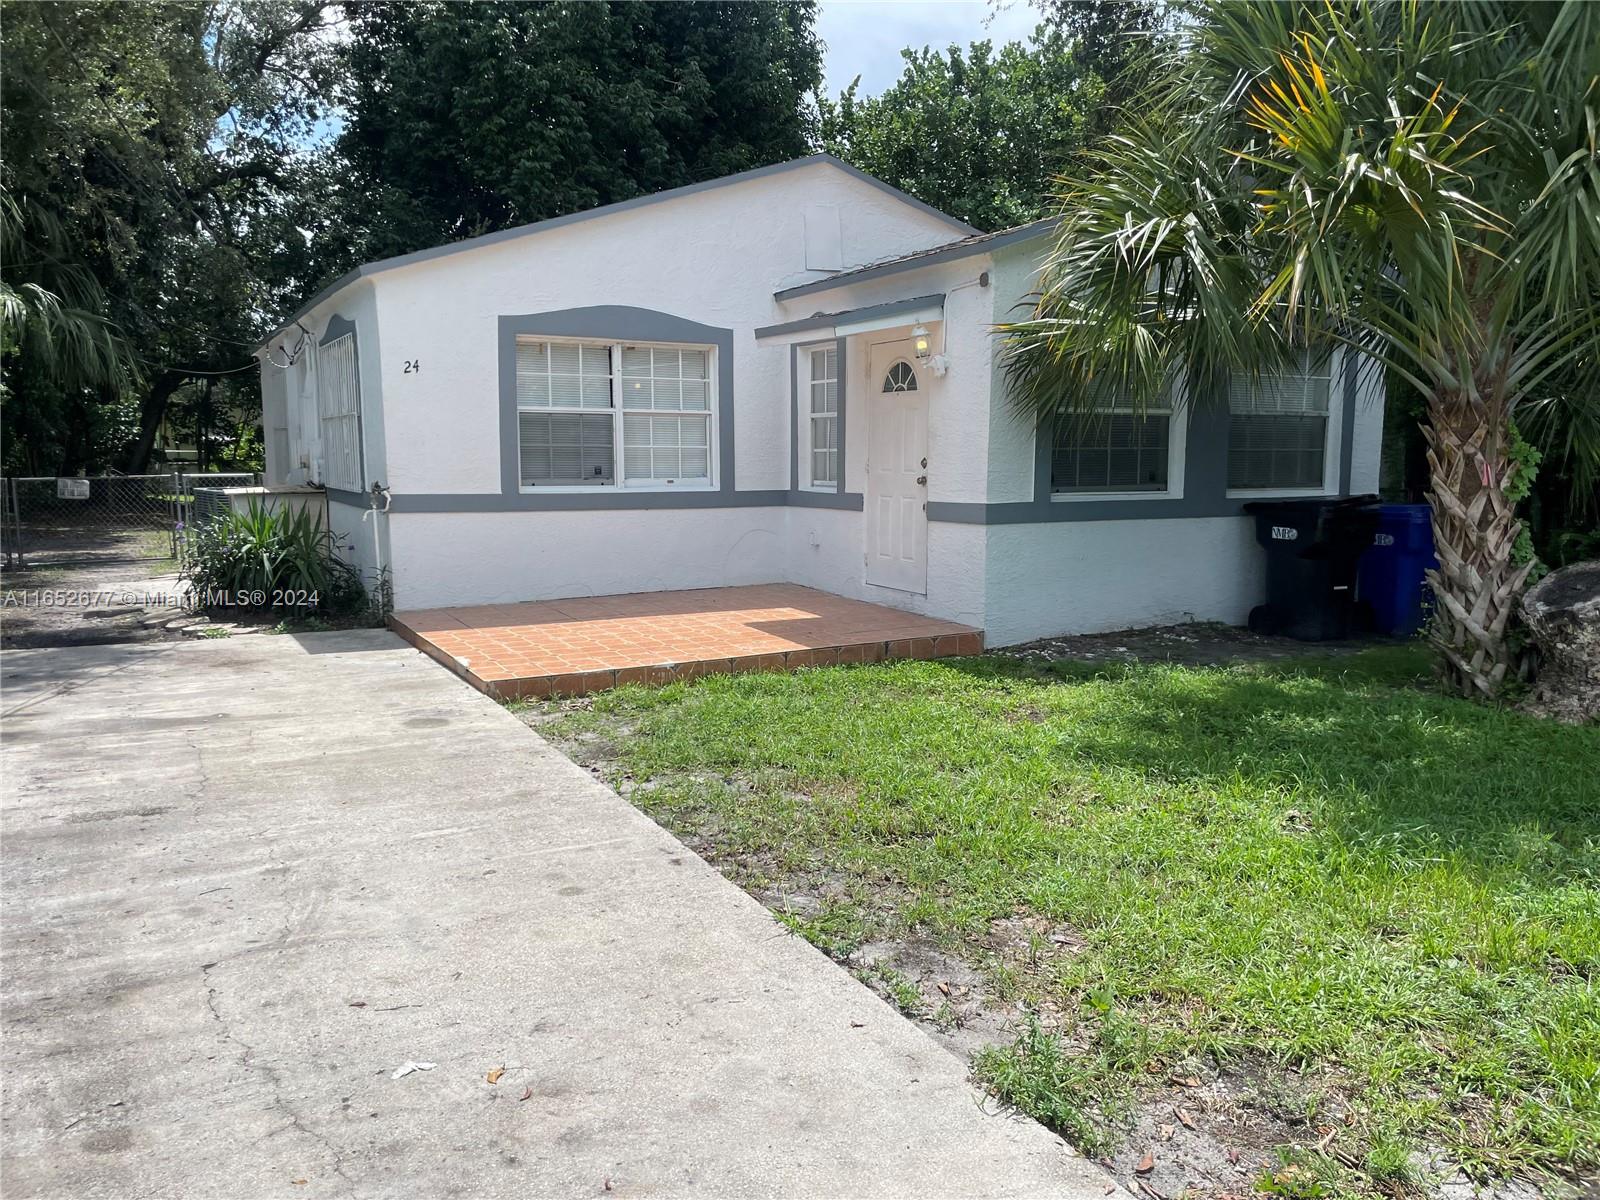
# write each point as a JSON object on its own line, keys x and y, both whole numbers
{"x": 923, "y": 480}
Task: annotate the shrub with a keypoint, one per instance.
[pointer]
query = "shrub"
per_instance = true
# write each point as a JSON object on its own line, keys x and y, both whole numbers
{"x": 270, "y": 559}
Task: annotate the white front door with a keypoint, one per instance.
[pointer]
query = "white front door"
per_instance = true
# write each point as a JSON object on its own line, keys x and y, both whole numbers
{"x": 897, "y": 469}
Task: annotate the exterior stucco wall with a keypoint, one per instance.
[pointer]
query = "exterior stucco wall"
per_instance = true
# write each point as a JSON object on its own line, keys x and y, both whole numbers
{"x": 825, "y": 549}
{"x": 352, "y": 535}
{"x": 1366, "y": 443}
{"x": 1086, "y": 576}
{"x": 295, "y": 387}
{"x": 713, "y": 258}
{"x": 444, "y": 559}
{"x": 275, "y": 415}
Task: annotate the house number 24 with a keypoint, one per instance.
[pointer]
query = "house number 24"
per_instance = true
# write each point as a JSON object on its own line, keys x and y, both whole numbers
{"x": 413, "y": 366}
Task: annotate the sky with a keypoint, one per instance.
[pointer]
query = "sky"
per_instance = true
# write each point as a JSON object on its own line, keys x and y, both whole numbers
{"x": 865, "y": 37}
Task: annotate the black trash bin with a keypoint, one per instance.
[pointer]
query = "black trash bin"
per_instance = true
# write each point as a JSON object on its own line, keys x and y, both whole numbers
{"x": 1313, "y": 549}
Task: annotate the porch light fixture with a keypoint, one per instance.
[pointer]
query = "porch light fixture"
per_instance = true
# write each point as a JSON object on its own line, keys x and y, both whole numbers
{"x": 920, "y": 342}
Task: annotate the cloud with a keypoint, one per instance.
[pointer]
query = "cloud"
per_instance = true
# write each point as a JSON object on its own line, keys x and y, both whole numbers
{"x": 865, "y": 37}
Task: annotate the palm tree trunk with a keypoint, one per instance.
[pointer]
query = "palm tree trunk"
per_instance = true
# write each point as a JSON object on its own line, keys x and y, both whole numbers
{"x": 1474, "y": 528}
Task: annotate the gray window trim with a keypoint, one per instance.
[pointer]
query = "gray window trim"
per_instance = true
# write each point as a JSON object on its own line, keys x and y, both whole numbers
{"x": 1205, "y": 482}
{"x": 621, "y": 323}
{"x": 807, "y": 497}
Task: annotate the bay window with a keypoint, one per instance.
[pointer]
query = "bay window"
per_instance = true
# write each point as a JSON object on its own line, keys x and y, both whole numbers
{"x": 591, "y": 414}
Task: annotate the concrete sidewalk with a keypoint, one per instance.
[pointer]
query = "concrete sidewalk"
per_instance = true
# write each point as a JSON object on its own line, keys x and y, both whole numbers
{"x": 246, "y": 880}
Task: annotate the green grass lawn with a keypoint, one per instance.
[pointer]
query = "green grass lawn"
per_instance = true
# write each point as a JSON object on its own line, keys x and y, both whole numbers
{"x": 1318, "y": 870}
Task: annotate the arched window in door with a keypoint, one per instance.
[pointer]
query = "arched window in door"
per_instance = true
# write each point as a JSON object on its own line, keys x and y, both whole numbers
{"x": 901, "y": 378}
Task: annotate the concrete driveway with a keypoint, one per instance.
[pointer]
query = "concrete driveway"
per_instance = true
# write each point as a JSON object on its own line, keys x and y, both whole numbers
{"x": 246, "y": 880}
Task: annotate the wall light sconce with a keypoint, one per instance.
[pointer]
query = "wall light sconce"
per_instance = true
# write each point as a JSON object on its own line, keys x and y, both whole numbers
{"x": 920, "y": 342}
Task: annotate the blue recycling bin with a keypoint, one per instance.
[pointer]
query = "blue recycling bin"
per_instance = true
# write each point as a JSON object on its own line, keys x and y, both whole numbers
{"x": 1391, "y": 583}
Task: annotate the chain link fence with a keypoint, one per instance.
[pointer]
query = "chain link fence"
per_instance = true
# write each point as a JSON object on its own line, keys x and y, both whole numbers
{"x": 100, "y": 518}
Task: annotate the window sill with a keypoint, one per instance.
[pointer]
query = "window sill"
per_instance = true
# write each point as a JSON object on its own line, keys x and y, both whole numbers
{"x": 1089, "y": 497}
{"x": 611, "y": 489}
{"x": 1311, "y": 493}
{"x": 821, "y": 489}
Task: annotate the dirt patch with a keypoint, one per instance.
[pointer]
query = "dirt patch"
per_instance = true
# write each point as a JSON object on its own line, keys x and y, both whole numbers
{"x": 1194, "y": 645}
{"x": 91, "y": 603}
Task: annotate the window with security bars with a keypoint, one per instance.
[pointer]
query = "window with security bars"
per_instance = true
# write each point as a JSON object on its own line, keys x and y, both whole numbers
{"x": 1278, "y": 427}
{"x": 588, "y": 411}
{"x": 823, "y": 418}
{"x": 338, "y": 414}
{"x": 1113, "y": 448}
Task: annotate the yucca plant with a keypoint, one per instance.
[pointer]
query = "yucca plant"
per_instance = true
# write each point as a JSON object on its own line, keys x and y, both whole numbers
{"x": 1419, "y": 182}
{"x": 268, "y": 552}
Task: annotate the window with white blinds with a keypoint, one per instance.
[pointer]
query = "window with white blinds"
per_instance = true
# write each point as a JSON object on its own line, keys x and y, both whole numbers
{"x": 1114, "y": 448}
{"x": 339, "y": 414}
{"x": 595, "y": 414}
{"x": 666, "y": 420}
{"x": 823, "y": 419}
{"x": 1278, "y": 427}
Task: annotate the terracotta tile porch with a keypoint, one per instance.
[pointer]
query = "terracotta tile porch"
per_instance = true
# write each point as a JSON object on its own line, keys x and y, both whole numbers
{"x": 573, "y": 647}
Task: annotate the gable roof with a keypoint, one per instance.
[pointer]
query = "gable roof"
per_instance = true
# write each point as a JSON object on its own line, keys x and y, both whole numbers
{"x": 606, "y": 210}
{"x": 977, "y": 243}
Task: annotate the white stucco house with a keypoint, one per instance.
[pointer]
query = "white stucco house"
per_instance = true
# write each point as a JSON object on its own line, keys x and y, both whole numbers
{"x": 786, "y": 375}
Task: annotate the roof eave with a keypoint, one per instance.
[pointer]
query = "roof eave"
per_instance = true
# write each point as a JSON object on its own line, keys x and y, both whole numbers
{"x": 606, "y": 210}
{"x": 897, "y": 266}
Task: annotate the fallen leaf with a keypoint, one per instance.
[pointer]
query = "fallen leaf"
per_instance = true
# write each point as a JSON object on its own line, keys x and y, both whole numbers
{"x": 1168, "y": 1132}
{"x": 494, "y": 1075}
{"x": 1184, "y": 1117}
{"x": 527, "y": 1094}
{"x": 944, "y": 987}
{"x": 606, "y": 1183}
{"x": 1186, "y": 1080}
{"x": 1110, "y": 1187}
{"x": 357, "y": 1004}
{"x": 1233, "y": 1156}
{"x": 1146, "y": 1164}
{"x": 298, "y": 1182}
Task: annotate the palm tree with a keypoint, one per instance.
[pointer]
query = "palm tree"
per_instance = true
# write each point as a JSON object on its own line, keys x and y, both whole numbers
{"x": 1419, "y": 182}
{"x": 51, "y": 307}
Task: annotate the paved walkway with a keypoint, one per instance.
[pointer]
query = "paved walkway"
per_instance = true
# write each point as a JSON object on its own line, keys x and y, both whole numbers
{"x": 246, "y": 880}
{"x": 574, "y": 647}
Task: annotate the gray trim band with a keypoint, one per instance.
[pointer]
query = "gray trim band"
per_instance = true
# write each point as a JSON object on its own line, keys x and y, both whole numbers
{"x": 871, "y": 312}
{"x": 607, "y": 210}
{"x": 354, "y": 499}
{"x": 611, "y": 498}
{"x": 613, "y": 322}
{"x": 913, "y": 262}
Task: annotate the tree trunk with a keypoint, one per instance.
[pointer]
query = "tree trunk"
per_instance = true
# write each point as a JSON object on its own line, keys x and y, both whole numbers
{"x": 1474, "y": 529}
{"x": 151, "y": 411}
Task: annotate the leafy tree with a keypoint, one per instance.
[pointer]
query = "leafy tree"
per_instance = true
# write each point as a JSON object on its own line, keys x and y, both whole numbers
{"x": 467, "y": 118}
{"x": 978, "y": 134}
{"x": 1418, "y": 181}
{"x": 154, "y": 190}
{"x": 1121, "y": 41}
